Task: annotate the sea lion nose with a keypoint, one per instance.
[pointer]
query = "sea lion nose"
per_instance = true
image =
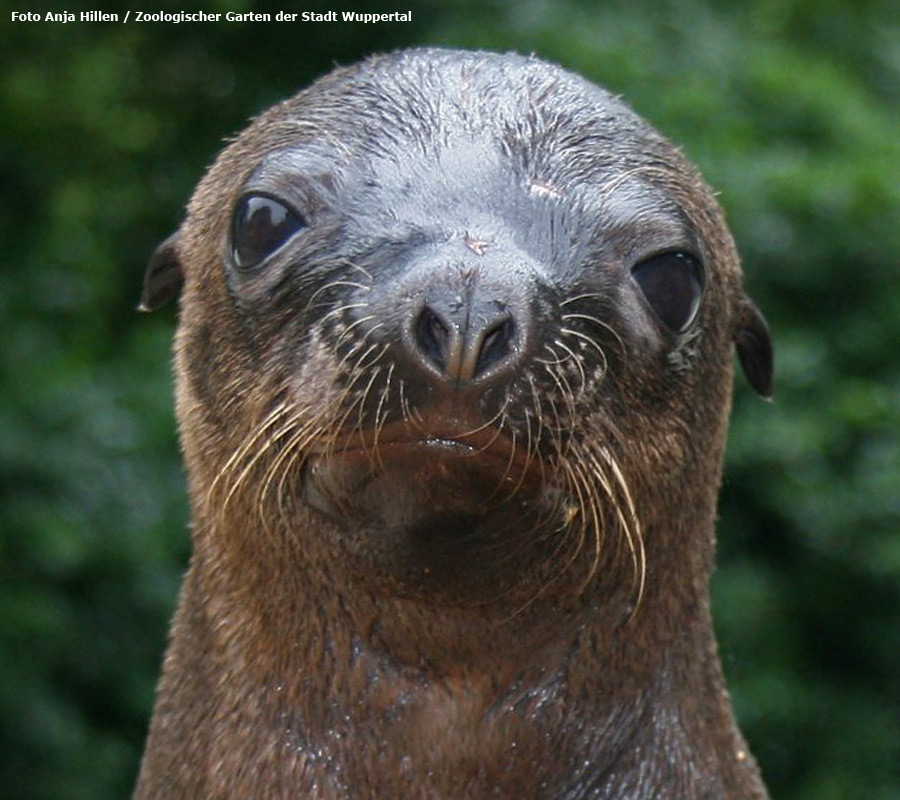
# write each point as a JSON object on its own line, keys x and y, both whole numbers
{"x": 464, "y": 340}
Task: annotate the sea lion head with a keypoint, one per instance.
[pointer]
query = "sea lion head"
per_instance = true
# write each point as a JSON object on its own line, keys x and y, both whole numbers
{"x": 458, "y": 326}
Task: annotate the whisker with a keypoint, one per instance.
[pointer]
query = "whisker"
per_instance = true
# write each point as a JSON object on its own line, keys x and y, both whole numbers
{"x": 251, "y": 441}
{"x": 588, "y": 340}
{"x": 576, "y": 360}
{"x": 600, "y": 324}
{"x": 630, "y": 525}
{"x": 576, "y": 298}
{"x": 332, "y": 285}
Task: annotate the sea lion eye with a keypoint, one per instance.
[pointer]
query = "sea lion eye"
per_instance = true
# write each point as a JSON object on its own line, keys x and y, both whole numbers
{"x": 673, "y": 285}
{"x": 259, "y": 227}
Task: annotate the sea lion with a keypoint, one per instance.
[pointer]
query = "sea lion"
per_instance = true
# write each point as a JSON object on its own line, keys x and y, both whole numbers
{"x": 454, "y": 367}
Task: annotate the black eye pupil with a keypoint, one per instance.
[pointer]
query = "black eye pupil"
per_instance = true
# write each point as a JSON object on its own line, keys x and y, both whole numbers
{"x": 259, "y": 227}
{"x": 673, "y": 285}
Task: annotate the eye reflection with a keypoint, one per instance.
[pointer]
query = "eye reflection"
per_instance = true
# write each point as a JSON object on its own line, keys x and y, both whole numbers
{"x": 260, "y": 226}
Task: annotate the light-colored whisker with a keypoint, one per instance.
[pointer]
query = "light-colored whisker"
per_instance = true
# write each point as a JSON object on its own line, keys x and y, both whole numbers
{"x": 630, "y": 523}
{"x": 636, "y": 537}
{"x": 381, "y": 416}
{"x": 556, "y": 358}
{"x": 340, "y": 309}
{"x": 299, "y": 441}
{"x": 353, "y": 265}
{"x": 336, "y": 312}
{"x": 251, "y": 441}
{"x": 347, "y": 332}
{"x": 590, "y": 342}
{"x": 404, "y": 404}
{"x": 597, "y": 517}
{"x": 577, "y": 297}
{"x": 575, "y": 359}
{"x": 361, "y": 414}
{"x": 575, "y": 489}
{"x": 599, "y": 323}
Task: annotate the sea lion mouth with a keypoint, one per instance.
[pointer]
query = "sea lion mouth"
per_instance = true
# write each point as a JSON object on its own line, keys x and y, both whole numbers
{"x": 433, "y": 439}
{"x": 405, "y": 476}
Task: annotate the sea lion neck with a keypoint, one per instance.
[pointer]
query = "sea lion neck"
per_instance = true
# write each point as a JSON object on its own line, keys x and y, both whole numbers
{"x": 595, "y": 702}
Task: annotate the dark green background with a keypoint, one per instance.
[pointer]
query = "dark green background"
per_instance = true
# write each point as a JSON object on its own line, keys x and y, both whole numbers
{"x": 790, "y": 107}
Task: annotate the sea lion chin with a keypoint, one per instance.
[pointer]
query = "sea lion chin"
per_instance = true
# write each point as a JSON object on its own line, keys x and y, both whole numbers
{"x": 445, "y": 511}
{"x": 454, "y": 367}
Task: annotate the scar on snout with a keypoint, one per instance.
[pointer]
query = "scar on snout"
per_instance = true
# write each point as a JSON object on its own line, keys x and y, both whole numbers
{"x": 477, "y": 246}
{"x": 544, "y": 189}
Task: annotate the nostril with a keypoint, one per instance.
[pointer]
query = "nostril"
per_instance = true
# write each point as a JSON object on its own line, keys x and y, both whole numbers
{"x": 496, "y": 345}
{"x": 462, "y": 344}
{"x": 433, "y": 337}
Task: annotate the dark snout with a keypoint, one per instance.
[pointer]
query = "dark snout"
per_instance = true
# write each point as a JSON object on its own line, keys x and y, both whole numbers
{"x": 459, "y": 324}
{"x": 464, "y": 335}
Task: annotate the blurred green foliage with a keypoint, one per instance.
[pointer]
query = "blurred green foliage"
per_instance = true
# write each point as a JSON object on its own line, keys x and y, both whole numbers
{"x": 790, "y": 107}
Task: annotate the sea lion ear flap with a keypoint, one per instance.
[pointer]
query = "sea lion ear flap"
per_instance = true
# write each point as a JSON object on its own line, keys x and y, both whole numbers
{"x": 754, "y": 347}
{"x": 163, "y": 278}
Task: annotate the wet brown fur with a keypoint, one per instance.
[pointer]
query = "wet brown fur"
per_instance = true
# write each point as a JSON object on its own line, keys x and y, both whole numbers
{"x": 296, "y": 669}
